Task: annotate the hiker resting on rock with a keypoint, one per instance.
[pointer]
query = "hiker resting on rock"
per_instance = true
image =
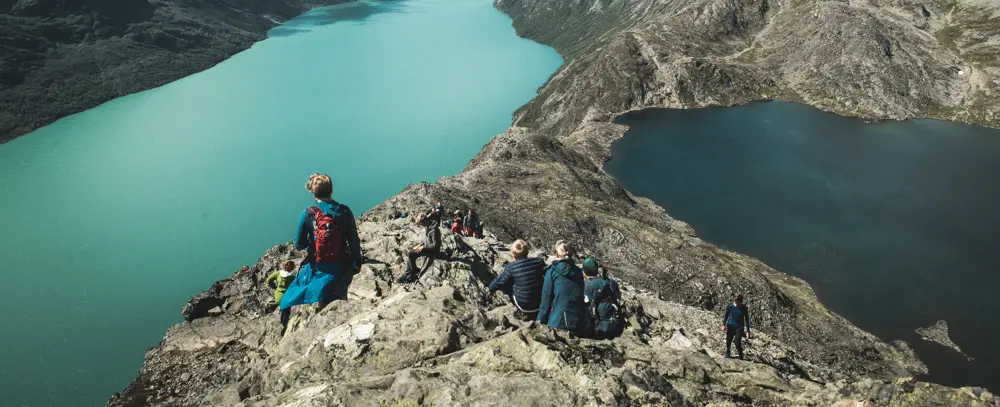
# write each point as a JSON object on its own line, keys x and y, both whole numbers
{"x": 329, "y": 234}
{"x": 602, "y": 297}
{"x": 279, "y": 280}
{"x": 456, "y": 222}
{"x": 737, "y": 317}
{"x": 522, "y": 281}
{"x": 430, "y": 248}
{"x": 562, "y": 305}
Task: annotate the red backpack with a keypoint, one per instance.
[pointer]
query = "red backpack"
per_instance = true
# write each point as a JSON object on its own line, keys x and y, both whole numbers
{"x": 331, "y": 244}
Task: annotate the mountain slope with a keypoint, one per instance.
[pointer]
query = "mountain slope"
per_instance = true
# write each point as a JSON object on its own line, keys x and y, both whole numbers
{"x": 61, "y": 57}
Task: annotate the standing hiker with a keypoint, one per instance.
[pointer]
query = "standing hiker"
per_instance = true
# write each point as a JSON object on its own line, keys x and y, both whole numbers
{"x": 737, "y": 317}
{"x": 329, "y": 234}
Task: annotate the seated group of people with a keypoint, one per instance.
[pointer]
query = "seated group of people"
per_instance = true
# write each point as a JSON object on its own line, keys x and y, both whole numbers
{"x": 558, "y": 293}
{"x": 553, "y": 291}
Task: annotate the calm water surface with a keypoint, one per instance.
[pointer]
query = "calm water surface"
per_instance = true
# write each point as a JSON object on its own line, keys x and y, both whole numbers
{"x": 895, "y": 225}
{"x": 112, "y": 218}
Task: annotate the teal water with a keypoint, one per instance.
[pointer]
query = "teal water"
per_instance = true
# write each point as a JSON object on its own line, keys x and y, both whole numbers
{"x": 894, "y": 225}
{"x": 112, "y": 218}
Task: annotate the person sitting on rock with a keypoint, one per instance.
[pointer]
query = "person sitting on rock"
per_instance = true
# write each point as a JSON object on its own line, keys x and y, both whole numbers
{"x": 602, "y": 297}
{"x": 329, "y": 234}
{"x": 736, "y": 318}
{"x": 279, "y": 280}
{"x": 430, "y": 248}
{"x": 562, "y": 305}
{"x": 522, "y": 281}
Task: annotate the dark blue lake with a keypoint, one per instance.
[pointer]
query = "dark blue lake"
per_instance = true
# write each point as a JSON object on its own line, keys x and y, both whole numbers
{"x": 895, "y": 225}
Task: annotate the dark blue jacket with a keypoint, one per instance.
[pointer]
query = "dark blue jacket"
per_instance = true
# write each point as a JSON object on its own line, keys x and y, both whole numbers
{"x": 605, "y": 294}
{"x": 737, "y": 317}
{"x": 562, "y": 305}
{"x": 522, "y": 279}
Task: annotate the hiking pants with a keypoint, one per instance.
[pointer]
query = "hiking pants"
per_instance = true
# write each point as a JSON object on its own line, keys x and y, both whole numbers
{"x": 286, "y": 314}
{"x": 411, "y": 259}
{"x": 734, "y": 334}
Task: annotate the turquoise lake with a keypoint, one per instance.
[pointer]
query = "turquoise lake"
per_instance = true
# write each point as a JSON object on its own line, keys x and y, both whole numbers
{"x": 114, "y": 217}
{"x": 894, "y": 224}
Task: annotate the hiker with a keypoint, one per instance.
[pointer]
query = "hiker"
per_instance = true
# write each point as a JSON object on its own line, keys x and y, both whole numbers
{"x": 470, "y": 222}
{"x": 456, "y": 222}
{"x": 436, "y": 212}
{"x": 279, "y": 280}
{"x": 602, "y": 297}
{"x": 430, "y": 248}
{"x": 329, "y": 234}
{"x": 737, "y": 317}
{"x": 562, "y": 305}
{"x": 522, "y": 281}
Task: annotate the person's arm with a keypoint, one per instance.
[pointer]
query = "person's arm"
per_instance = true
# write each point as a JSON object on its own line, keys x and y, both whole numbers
{"x": 543, "y": 307}
{"x": 353, "y": 241}
{"x": 434, "y": 238}
{"x": 272, "y": 280}
{"x": 302, "y": 238}
{"x": 503, "y": 281}
{"x": 725, "y": 318}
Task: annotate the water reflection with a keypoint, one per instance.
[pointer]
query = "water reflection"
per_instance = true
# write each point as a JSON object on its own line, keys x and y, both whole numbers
{"x": 359, "y": 12}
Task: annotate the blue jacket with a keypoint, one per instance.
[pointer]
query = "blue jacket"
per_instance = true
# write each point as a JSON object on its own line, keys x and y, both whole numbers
{"x": 562, "y": 305}
{"x": 737, "y": 317}
{"x": 522, "y": 279}
{"x": 606, "y": 294}
{"x": 324, "y": 282}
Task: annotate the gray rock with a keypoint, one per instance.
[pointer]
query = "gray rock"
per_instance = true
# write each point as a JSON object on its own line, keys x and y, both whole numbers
{"x": 434, "y": 343}
{"x": 938, "y": 333}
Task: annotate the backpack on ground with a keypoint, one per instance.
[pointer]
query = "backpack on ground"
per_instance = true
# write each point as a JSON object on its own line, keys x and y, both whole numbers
{"x": 329, "y": 240}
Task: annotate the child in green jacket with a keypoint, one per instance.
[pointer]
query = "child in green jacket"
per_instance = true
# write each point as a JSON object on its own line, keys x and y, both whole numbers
{"x": 281, "y": 279}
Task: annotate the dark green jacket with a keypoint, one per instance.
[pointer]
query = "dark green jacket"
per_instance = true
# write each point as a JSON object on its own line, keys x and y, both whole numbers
{"x": 603, "y": 296}
{"x": 562, "y": 305}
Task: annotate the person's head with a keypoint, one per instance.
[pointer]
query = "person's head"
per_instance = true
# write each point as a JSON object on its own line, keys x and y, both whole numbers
{"x": 421, "y": 219}
{"x": 590, "y": 267}
{"x": 320, "y": 185}
{"x": 562, "y": 249}
{"x": 458, "y": 212}
{"x": 519, "y": 249}
{"x": 738, "y": 299}
{"x": 288, "y": 265}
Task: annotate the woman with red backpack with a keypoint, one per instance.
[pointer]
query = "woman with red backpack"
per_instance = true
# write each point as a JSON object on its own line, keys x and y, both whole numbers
{"x": 329, "y": 234}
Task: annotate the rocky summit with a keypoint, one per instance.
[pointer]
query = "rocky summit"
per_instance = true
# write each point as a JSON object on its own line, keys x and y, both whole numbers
{"x": 435, "y": 343}
{"x": 439, "y": 342}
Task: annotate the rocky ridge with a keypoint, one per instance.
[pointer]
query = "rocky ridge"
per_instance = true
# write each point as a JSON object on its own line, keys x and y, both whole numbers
{"x": 438, "y": 343}
{"x": 62, "y": 57}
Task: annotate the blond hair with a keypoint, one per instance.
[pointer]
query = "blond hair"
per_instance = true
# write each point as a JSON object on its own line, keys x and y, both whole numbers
{"x": 320, "y": 185}
{"x": 562, "y": 249}
{"x": 288, "y": 265}
{"x": 519, "y": 249}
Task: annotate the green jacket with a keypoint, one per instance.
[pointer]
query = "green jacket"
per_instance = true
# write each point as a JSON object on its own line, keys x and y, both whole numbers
{"x": 279, "y": 284}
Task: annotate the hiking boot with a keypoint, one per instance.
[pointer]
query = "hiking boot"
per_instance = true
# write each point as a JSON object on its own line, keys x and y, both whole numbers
{"x": 728, "y": 356}
{"x": 407, "y": 278}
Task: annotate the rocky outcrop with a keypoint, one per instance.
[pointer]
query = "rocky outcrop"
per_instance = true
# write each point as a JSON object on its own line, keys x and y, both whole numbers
{"x": 439, "y": 343}
{"x": 62, "y": 57}
{"x": 938, "y": 333}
